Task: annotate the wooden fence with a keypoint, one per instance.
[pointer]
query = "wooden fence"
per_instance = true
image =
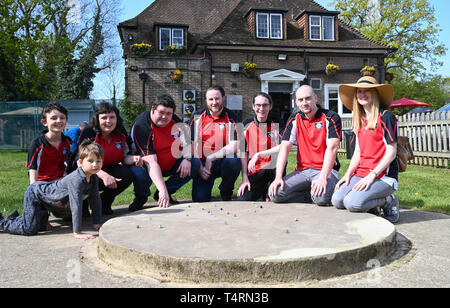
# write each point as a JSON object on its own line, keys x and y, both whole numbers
{"x": 428, "y": 134}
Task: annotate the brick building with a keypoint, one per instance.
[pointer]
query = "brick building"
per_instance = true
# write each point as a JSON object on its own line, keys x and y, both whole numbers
{"x": 290, "y": 41}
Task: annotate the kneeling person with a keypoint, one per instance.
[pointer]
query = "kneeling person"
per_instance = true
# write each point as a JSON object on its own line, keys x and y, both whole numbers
{"x": 317, "y": 132}
{"x": 165, "y": 151}
{"x": 67, "y": 190}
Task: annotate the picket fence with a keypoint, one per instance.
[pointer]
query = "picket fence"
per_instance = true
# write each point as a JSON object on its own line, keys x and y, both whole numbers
{"x": 428, "y": 134}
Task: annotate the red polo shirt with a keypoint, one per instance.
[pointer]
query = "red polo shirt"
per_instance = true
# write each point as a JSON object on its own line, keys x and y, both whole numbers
{"x": 261, "y": 136}
{"x": 372, "y": 146}
{"x": 166, "y": 142}
{"x": 311, "y": 136}
{"x": 211, "y": 133}
{"x": 48, "y": 160}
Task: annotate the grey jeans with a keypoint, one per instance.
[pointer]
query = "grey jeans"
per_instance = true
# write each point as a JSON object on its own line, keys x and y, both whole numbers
{"x": 361, "y": 201}
{"x": 297, "y": 187}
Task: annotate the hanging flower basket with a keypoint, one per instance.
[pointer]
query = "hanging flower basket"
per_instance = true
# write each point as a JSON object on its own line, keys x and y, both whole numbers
{"x": 331, "y": 69}
{"x": 175, "y": 50}
{"x": 250, "y": 69}
{"x": 368, "y": 71}
{"x": 176, "y": 76}
{"x": 142, "y": 49}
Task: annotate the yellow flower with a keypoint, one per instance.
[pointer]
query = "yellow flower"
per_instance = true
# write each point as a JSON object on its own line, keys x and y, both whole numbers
{"x": 332, "y": 67}
{"x": 368, "y": 68}
{"x": 248, "y": 65}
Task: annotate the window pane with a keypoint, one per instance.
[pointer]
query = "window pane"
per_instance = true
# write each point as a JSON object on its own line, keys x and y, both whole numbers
{"x": 328, "y": 28}
{"x": 315, "y": 33}
{"x": 315, "y": 27}
{"x": 333, "y": 100}
{"x": 262, "y": 25}
{"x": 315, "y": 20}
{"x": 177, "y": 37}
{"x": 275, "y": 26}
{"x": 164, "y": 38}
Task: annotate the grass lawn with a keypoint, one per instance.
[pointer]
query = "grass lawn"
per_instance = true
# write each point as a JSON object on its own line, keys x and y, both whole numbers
{"x": 421, "y": 187}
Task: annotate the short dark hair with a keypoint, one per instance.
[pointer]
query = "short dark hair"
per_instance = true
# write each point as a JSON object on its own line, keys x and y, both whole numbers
{"x": 52, "y": 106}
{"x": 216, "y": 88}
{"x": 103, "y": 108}
{"x": 88, "y": 147}
{"x": 265, "y": 95}
{"x": 166, "y": 101}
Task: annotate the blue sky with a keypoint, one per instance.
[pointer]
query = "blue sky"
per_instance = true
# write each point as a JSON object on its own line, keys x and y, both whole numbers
{"x": 442, "y": 8}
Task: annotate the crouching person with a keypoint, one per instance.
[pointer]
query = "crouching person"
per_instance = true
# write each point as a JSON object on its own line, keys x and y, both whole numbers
{"x": 67, "y": 190}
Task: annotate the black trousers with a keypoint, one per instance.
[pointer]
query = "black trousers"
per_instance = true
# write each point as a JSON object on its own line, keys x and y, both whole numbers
{"x": 259, "y": 185}
{"x": 108, "y": 194}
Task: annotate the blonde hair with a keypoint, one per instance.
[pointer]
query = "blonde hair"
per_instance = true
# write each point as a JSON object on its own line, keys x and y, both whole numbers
{"x": 359, "y": 113}
{"x": 88, "y": 147}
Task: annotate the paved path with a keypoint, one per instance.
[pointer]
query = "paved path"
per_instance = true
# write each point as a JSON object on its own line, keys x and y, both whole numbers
{"x": 57, "y": 259}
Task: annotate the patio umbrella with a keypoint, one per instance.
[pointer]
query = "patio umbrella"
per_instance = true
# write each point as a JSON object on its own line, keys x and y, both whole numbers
{"x": 405, "y": 102}
{"x": 420, "y": 110}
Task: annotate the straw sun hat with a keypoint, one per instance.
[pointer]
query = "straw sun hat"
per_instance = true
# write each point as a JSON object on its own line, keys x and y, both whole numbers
{"x": 347, "y": 91}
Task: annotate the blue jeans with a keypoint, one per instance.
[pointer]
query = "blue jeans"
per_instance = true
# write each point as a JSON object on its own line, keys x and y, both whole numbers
{"x": 33, "y": 219}
{"x": 226, "y": 168}
{"x": 361, "y": 201}
{"x": 142, "y": 180}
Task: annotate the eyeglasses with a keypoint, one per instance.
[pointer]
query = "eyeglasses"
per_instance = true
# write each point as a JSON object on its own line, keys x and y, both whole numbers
{"x": 261, "y": 106}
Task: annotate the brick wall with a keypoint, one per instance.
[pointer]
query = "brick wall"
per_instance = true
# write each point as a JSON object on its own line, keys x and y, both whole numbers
{"x": 196, "y": 71}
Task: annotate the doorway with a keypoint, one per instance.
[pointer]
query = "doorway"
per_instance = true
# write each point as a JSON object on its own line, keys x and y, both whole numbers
{"x": 281, "y": 105}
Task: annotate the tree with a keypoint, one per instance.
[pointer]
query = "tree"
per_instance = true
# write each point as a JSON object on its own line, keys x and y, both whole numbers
{"x": 431, "y": 90}
{"x": 407, "y": 25}
{"x": 77, "y": 75}
{"x": 48, "y": 50}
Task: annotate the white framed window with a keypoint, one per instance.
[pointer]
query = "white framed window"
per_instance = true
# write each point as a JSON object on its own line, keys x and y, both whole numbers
{"x": 321, "y": 28}
{"x": 333, "y": 102}
{"x": 170, "y": 36}
{"x": 316, "y": 84}
{"x": 269, "y": 25}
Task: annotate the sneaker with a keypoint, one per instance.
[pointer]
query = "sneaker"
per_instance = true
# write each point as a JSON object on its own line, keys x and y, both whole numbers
{"x": 226, "y": 196}
{"x": 171, "y": 200}
{"x": 137, "y": 204}
{"x": 391, "y": 211}
{"x": 375, "y": 211}
{"x": 13, "y": 215}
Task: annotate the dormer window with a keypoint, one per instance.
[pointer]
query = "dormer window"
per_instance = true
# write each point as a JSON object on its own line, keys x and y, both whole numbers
{"x": 170, "y": 36}
{"x": 269, "y": 25}
{"x": 321, "y": 28}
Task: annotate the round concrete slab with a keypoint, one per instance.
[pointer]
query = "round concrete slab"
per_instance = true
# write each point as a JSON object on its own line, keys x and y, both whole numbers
{"x": 245, "y": 242}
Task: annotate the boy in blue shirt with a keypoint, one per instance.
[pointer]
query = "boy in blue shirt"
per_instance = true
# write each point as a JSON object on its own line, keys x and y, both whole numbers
{"x": 59, "y": 193}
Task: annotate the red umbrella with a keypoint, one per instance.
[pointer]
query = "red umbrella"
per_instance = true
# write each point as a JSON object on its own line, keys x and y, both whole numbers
{"x": 405, "y": 102}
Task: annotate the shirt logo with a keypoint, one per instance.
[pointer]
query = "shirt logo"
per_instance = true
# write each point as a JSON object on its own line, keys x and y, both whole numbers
{"x": 270, "y": 135}
{"x": 119, "y": 145}
{"x": 319, "y": 125}
{"x": 222, "y": 126}
{"x": 65, "y": 151}
{"x": 176, "y": 136}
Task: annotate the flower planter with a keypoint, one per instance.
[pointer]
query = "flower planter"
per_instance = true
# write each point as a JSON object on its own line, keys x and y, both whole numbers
{"x": 142, "y": 49}
{"x": 367, "y": 73}
{"x": 330, "y": 72}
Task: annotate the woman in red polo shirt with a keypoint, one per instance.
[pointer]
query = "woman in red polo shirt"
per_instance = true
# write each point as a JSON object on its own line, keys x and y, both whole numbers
{"x": 108, "y": 131}
{"x": 372, "y": 176}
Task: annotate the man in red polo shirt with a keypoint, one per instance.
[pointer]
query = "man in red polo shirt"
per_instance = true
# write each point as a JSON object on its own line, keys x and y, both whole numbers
{"x": 165, "y": 150}
{"x": 215, "y": 137}
{"x": 317, "y": 132}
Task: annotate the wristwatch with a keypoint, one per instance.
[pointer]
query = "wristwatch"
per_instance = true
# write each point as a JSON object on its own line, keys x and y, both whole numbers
{"x": 188, "y": 158}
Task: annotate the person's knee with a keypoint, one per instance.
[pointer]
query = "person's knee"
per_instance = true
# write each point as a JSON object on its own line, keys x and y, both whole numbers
{"x": 337, "y": 201}
{"x": 321, "y": 200}
{"x": 232, "y": 164}
{"x": 352, "y": 205}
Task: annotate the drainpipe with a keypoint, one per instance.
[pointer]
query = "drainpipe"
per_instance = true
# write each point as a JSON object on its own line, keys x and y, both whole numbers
{"x": 210, "y": 65}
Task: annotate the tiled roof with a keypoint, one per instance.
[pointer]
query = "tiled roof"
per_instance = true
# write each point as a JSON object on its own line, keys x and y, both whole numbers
{"x": 216, "y": 22}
